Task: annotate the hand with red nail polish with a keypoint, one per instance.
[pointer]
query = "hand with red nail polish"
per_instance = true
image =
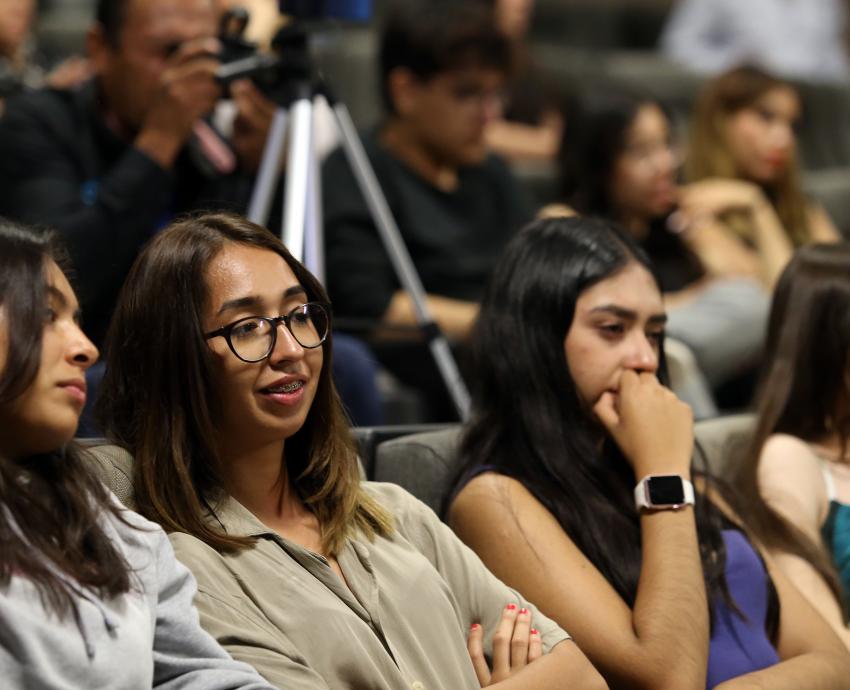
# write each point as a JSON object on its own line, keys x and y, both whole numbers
{"x": 515, "y": 645}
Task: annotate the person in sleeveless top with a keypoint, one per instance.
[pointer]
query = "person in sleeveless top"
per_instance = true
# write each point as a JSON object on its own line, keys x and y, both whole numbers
{"x": 570, "y": 417}
{"x": 798, "y": 457}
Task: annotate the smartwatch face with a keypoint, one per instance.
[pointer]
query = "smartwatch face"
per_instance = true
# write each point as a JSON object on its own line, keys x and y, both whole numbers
{"x": 666, "y": 491}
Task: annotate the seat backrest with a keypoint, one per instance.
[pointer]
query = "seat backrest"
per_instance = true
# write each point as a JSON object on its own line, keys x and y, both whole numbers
{"x": 426, "y": 464}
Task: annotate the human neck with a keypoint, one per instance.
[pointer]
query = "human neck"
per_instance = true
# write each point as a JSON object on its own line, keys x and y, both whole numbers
{"x": 257, "y": 477}
{"x": 637, "y": 226}
{"x": 406, "y": 146}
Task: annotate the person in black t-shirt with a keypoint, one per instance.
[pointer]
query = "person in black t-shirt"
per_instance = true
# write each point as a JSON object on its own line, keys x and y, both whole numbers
{"x": 443, "y": 68}
{"x": 109, "y": 164}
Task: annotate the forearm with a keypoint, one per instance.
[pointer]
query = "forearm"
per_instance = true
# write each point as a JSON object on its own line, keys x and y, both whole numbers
{"x": 564, "y": 667}
{"x": 670, "y": 614}
{"x": 772, "y": 241}
{"x": 454, "y": 317}
{"x": 814, "y": 671}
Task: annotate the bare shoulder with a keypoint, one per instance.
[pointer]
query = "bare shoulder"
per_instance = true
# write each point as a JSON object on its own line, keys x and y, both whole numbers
{"x": 491, "y": 489}
{"x": 789, "y": 457}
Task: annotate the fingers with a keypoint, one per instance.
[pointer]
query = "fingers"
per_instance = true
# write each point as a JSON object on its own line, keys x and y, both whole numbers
{"x": 475, "y": 646}
{"x": 502, "y": 642}
{"x": 520, "y": 640}
{"x": 535, "y": 645}
{"x": 605, "y": 410}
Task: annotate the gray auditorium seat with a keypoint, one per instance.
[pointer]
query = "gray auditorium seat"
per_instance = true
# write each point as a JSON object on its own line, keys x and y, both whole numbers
{"x": 425, "y": 464}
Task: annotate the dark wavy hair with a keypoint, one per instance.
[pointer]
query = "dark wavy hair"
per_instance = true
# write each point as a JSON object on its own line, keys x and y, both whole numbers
{"x": 594, "y": 139}
{"x": 50, "y": 502}
{"x": 158, "y": 401}
{"x": 805, "y": 384}
{"x": 528, "y": 421}
{"x": 429, "y": 37}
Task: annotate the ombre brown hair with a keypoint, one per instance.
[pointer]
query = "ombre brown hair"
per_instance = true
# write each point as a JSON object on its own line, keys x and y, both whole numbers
{"x": 158, "y": 400}
{"x": 805, "y": 385}
{"x": 709, "y": 154}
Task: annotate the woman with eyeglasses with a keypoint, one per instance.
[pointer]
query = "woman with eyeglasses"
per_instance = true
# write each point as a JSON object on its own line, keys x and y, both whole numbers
{"x": 91, "y": 595}
{"x": 218, "y": 384}
{"x": 619, "y": 161}
{"x": 744, "y": 186}
{"x": 578, "y": 486}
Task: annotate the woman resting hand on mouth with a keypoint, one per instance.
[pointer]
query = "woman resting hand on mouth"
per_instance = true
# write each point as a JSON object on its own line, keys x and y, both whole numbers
{"x": 219, "y": 385}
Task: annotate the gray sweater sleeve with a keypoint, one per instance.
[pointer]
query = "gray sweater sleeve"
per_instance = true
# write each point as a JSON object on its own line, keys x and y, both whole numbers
{"x": 184, "y": 655}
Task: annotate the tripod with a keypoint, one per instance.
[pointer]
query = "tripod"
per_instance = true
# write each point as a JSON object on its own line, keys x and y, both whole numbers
{"x": 302, "y": 229}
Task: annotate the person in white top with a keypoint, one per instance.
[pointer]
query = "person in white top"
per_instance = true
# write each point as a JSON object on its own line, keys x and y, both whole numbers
{"x": 796, "y": 39}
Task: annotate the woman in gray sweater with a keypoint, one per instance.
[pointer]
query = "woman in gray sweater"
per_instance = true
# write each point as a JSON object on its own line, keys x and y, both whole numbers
{"x": 91, "y": 595}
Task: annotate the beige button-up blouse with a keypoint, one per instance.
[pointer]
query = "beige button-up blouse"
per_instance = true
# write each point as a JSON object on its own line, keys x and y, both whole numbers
{"x": 402, "y": 624}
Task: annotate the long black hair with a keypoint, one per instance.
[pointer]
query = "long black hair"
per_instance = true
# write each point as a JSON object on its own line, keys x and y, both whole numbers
{"x": 50, "y": 503}
{"x": 528, "y": 420}
{"x": 594, "y": 139}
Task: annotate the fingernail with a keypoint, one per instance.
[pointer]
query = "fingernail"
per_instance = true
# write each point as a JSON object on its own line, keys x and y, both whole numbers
{"x": 522, "y": 612}
{"x": 534, "y": 631}
{"x": 510, "y": 607}
{"x": 474, "y": 626}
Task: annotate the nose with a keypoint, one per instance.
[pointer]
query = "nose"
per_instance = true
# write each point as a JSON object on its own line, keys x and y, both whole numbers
{"x": 642, "y": 356}
{"x": 783, "y": 136}
{"x": 81, "y": 351}
{"x": 286, "y": 347}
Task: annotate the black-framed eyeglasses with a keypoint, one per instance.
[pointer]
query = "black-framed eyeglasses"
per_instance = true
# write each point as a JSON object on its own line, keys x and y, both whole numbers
{"x": 253, "y": 338}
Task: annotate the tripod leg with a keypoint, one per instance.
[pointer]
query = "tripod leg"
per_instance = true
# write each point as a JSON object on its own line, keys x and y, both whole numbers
{"x": 399, "y": 256}
{"x": 261, "y": 197}
{"x": 314, "y": 250}
{"x": 297, "y": 175}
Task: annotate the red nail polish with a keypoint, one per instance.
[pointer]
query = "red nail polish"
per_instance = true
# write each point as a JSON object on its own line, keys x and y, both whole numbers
{"x": 474, "y": 626}
{"x": 534, "y": 632}
{"x": 522, "y": 612}
{"x": 510, "y": 607}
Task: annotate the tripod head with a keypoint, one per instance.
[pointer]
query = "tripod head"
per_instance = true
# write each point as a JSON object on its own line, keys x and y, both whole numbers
{"x": 287, "y": 73}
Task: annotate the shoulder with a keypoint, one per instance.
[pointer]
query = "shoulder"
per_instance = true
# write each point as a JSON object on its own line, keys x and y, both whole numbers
{"x": 45, "y": 108}
{"x": 786, "y": 453}
{"x": 492, "y": 497}
{"x": 790, "y": 477}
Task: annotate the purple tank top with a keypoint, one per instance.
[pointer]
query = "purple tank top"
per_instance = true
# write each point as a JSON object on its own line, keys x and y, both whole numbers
{"x": 740, "y": 646}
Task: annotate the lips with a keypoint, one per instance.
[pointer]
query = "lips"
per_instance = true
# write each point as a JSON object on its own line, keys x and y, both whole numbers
{"x": 76, "y": 389}
{"x": 288, "y": 390}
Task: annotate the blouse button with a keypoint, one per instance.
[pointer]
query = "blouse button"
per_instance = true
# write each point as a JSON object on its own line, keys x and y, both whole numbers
{"x": 417, "y": 686}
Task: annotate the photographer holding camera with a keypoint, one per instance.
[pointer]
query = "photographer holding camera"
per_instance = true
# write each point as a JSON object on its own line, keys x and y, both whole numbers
{"x": 111, "y": 163}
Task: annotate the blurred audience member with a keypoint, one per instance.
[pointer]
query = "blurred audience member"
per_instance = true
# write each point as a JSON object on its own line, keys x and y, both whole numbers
{"x": 21, "y": 67}
{"x": 619, "y": 161}
{"x": 531, "y": 126}
{"x": 799, "y": 454}
{"x": 112, "y": 162}
{"x": 798, "y": 39}
{"x": 443, "y": 69}
{"x": 742, "y": 166}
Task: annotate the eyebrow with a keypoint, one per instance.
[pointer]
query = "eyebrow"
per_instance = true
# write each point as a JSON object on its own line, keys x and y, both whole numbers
{"x": 59, "y": 296}
{"x": 627, "y": 314}
{"x": 254, "y": 300}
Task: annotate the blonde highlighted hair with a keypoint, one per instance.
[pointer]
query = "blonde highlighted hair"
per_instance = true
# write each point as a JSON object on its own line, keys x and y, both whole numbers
{"x": 157, "y": 399}
{"x": 709, "y": 154}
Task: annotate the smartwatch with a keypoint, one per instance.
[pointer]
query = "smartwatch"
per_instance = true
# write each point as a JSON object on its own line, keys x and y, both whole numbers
{"x": 663, "y": 492}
